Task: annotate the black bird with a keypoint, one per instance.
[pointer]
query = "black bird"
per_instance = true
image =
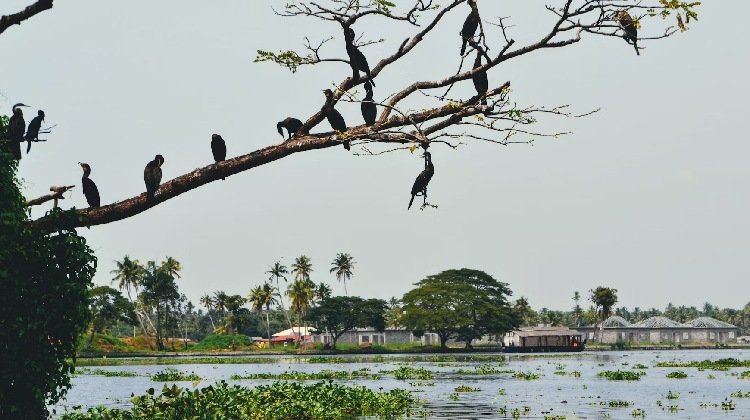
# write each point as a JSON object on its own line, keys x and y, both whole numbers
{"x": 291, "y": 125}
{"x": 219, "y": 148}
{"x": 33, "y": 131}
{"x": 481, "y": 84}
{"x": 369, "y": 109}
{"x": 152, "y": 176}
{"x": 628, "y": 26}
{"x": 357, "y": 60}
{"x": 17, "y": 127}
{"x": 89, "y": 188}
{"x": 334, "y": 117}
{"x": 424, "y": 177}
{"x": 470, "y": 25}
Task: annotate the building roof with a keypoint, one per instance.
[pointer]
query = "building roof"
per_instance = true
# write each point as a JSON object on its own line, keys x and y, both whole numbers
{"x": 663, "y": 322}
{"x": 294, "y": 331}
{"x": 542, "y": 331}
{"x": 707, "y": 322}
{"x": 616, "y": 321}
{"x": 657, "y": 322}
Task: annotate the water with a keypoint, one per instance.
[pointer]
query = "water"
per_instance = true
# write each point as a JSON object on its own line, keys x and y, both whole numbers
{"x": 498, "y": 395}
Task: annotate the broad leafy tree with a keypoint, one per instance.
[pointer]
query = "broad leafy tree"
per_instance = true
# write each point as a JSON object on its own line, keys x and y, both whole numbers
{"x": 237, "y": 315}
{"x": 108, "y": 307}
{"x": 460, "y": 304}
{"x": 160, "y": 293}
{"x": 339, "y": 314}
{"x": 603, "y": 298}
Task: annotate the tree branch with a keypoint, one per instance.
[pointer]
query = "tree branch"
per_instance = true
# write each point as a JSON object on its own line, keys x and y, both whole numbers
{"x": 15, "y": 19}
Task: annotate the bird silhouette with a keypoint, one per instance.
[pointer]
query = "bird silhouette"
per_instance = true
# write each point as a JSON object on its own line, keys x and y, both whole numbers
{"x": 218, "y": 148}
{"x": 357, "y": 60}
{"x": 470, "y": 25}
{"x": 32, "y": 133}
{"x": 424, "y": 177}
{"x": 16, "y": 129}
{"x": 369, "y": 109}
{"x": 334, "y": 117}
{"x": 152, "y": 176}
{"x": 629, "y": 28}
{"x": 89, "y": 188}
{"x": 291, "y": 125}
{"x": 481, "y": 84}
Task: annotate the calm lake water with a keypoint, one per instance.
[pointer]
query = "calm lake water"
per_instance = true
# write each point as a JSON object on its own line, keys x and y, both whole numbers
{"x": 587, "y": 396}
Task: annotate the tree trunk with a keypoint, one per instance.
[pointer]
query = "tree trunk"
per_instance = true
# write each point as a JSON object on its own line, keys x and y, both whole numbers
{"x": 208, "y": 311}
{"x": 443, "y": 340}
{"x": 140, "y": 316}
{"x": 281, "y": 302}
{"x": 159, "y": 342}
{"x": 91, "y": 339}
{"x": 268, "y": 327}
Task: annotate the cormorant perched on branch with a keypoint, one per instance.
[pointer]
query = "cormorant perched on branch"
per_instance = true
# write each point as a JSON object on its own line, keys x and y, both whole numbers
{"x": 628, "y": 26}
{"x": 334, "y": 117}
{"x": 152, "y": 176}
{"x": 16, "y": 129}
{"x": 291, "y": 125}
{"x": 219, "y": 148}
{"x": 33, "y": 132}
{"x": 424, "y": 177}
{"x": 470, "y": 25}
{"x": 357, "y": 60}
{"x": 369, "y": 109}
{"x": 89, "y": 188}
{"x": 481, "y": 84}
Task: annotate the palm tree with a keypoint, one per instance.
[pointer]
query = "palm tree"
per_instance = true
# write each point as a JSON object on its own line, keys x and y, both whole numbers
{"x": 322, "y": 292}
{"x": 603, "y": 298}
{"x": 262, "y": 296}
{"x": 208, "y": 302}
{"x": 130, "y": 273}
{"x": 342, "y": 266}
{"x": 278, "y": 271}
{"x": 172, "y": 267}
{"x": 302, "y": 268}
{"x": 301, "y": 293}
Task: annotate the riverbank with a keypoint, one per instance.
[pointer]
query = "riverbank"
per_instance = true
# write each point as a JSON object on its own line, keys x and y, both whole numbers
{"x": 384, "y": 351}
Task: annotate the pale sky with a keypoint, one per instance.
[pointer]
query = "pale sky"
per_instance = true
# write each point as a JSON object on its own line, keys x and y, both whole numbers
{"x": 648, "y": 196}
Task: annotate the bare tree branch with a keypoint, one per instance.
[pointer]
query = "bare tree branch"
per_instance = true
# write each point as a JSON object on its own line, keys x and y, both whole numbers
{"x": 15, "y": 19}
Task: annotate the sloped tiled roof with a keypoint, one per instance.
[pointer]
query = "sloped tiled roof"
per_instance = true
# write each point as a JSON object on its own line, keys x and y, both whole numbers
{"x": 707, "y": 322}
{"x": 616, "y": 321}
{"x": 657, "y": 322}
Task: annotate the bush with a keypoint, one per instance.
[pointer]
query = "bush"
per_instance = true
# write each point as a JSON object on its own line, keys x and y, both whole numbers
{"x": 222, "y": 342}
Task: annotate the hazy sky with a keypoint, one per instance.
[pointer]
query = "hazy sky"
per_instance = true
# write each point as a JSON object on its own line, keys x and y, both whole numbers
{"x": 648, "y": 196}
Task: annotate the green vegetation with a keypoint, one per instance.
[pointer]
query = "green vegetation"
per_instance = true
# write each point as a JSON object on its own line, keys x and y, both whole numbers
{"x": 482, "y": 370}
{"x": 678, "y": 374}
{"x": 340, "y": 314}
{"x": 281, "y": 400}
{"x": 526, "y": 375}
{"x": 739, "y": 394}
{"x": 170, "y": 375}
{"x": 222, "y": 342}
{"x": 639, "y": 366}
{"x": 107, "y": 373}
{"x": 639, "y": 412}
{"x": 672, "y": 395}
{"x": 720, "y": 364}
{"x": 305, "y": 376}
{"x": 406, "y": 372}
{"x": 44, "y": 304}
{"x": 621, "y": 375}
{"x": 465, "y": 388}
{"x": 462, "y": 304}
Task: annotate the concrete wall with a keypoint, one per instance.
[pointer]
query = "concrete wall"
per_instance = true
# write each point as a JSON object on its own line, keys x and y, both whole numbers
{"x": 664, "y": 335}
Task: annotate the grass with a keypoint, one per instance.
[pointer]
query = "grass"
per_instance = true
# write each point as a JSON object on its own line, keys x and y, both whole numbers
{"x": 678, "y": 374}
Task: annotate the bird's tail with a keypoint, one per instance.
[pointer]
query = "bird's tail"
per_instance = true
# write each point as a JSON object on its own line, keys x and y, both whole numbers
{"x": 463, "y": 46}
{"x": 347, "y": 146}
{"x": 28, "y": 148}
{"x": 411, "y": 201}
